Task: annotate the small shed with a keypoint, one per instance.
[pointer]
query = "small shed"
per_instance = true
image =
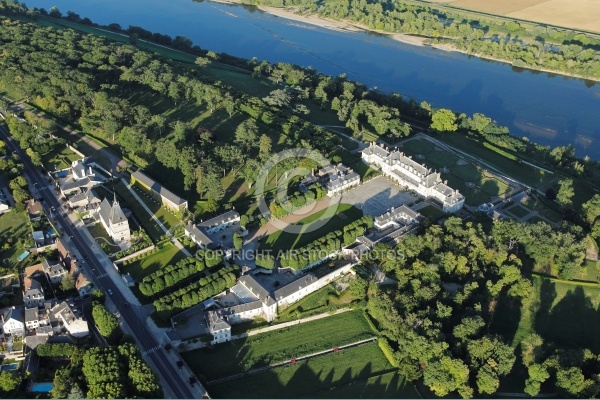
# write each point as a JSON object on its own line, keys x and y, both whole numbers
{"x": 128, "y": 279}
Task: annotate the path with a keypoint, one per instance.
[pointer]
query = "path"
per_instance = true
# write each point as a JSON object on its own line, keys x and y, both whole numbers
{"x": 295, "y": 360}
{"x": 160, "y": 224}
{"x": 114, "y": 159}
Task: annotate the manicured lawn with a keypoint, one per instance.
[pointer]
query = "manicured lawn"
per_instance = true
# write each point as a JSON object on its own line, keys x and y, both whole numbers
{"x": 442, "y": 158}
{"x": 562, "y": 312}
{"x": 101, "y": 236}
{"x": 321, "y": 301}
{"x": 475, "y": 196}
{"x": 360, "y": 372}
{"x": 168, "y": 254}
{"x": 144, "y": 218}
{"x": 55, "y": 161}
{"x": 165, "y": 216}
{"x": 256, "y": 351}
{"x": 518, "y": 211}
{"x": 493, "y": 187}
{"x": 468, "y": 173}
{"x": 431, "y": 212}
{"x": 344, "y": 215}
{"x": 551, "y": 215}
{"x": 15, "y": 226}
{"x": 419, "y": 146}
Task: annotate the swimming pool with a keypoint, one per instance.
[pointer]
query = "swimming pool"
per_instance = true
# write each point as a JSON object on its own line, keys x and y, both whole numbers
{"x": 9, "y": 367}
{"x": 42, "y": 387}
{"x": 23, "y": 255}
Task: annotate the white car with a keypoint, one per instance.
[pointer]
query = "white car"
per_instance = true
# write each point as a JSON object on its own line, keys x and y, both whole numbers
{"x": 109, "y": 291}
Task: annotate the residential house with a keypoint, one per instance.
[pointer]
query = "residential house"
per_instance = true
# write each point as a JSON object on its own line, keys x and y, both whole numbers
{"x": 83, "y": 285}
{"x": 32, "y": 319}
{"x": 80, "y": 177}
{"x": 197, "y": 236}
{"x": 13, "y": 321}
{"x": 166, "y": 197}
{"x": 114, "y": 222}
{"x": 269, "y": 305}
{"x": 86, "y": 200}
{"x": 64, "y": 255}
{"x": 54, "y": 271}
{"x": 33, "y": 292}
{"x": 34, "y": 209}
{"x": 409, "y": 173}
{"x": 71, "y": 318}
{"x": 218, "y": 327}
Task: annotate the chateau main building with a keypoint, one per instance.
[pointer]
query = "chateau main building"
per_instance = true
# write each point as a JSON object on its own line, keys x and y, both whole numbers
{"x": 407, "y": 172}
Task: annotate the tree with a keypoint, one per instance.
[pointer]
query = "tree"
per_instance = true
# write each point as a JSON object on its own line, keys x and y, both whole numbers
{"x": 443, "y": 120}
{"x": 20, "y": 195}
{"x": 571, "y": 380}
{"x": 565, "y": 192}
{"x": 246, "y": 134}
{"x": 591, "y": 209}
{"x": 9, "y": 380}
{"x": 538, "y": 374}
{"x": 487, "y": 380}
{"x": 18, "y": 182}
{"x": 238, "y": 241}
{"x": 67, "y": 283}
{"x": 264, "y": 147}
{"x": 447, "y": 375}
{"x": 34, "y": 156}
{"x": 108, "y": 324}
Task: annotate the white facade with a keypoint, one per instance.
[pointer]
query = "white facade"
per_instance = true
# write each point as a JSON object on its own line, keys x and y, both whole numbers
{"x": 407, "y": 172}
{"x": 13, "y": 322}
{"x": 114, "y": 222}
{"x": 71, "y": 319}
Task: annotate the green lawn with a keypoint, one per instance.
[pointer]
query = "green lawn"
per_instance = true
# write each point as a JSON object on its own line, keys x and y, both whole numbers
{"x": 101, "y": 236}
{"x": 518, "y": 211}
{"x": 431, "y": 212}
{"x": 53, "y": 161}
{"x": 493, "y": 186}
{"x": 321, "y": 301}
{"x": 168, "y": 254}
{"x": 442, "y": 158}
{"x": 256, "y": 351}
{"x": 562, "y": 312}
{"x": 360, "y": 372}
{"x": 140, "y": 213}
{"x": 344, "y": 215}
{"x": 14, "y": 226}
{"x": 551, "y": 215}
{"x": 475, "y": 196}
{"x": 166, "y": 217}
{"x": 419, "y": 146}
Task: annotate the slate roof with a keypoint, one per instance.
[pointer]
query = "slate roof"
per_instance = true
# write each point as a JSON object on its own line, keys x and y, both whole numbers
{"x": 111, "y": 215}
{"x": 158, "y": 188}
{"x": 257, "y": 289}
{"x": 14, "y": 313}
{"x": 31, "y": 315}
{"x": 215, "y": 322}
{"x": 295, "y": 286}
{"x": 54, "y": 269}
{"x": 224, "y": 218}
{"x": 395, "y": 214}
{"x": 197, "y": 234}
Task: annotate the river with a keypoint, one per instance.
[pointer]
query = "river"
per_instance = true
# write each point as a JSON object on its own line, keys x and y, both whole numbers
{"x": 549, "y": 109}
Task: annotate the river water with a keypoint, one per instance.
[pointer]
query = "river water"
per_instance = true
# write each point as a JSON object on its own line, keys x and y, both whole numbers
{"x": 549, "y": 109}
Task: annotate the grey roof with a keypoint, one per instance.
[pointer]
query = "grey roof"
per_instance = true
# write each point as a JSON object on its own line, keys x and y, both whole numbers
{"x": 257, "y": 289}
{"x": 172, "y": 335}
{"x": 43, "y": 330}
{"x": 402, "y": 213}
{"x": 295, "y": 286}
{"x": 156, "y": 187}
{"x": 15, "y": 313}
{"x": 224, "y": 218}
{"x": 253, "y": 305}
{"x": 53, "y": 269}
{"x": 215, "y": 322}
{"x": 31, "y": 315}
{"x": 128, "y": 278}
{"x": 78, "y": 167}
{"x": 68, "y": 312}
{"x": 72, "y": 184}
{"x": 111, "y": 215}
{"x": 376, "y": 149}
{"x": 196, "y": 234}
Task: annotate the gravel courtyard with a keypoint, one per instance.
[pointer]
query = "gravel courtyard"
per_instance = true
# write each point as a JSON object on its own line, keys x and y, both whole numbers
{"x": 377, "y": 196}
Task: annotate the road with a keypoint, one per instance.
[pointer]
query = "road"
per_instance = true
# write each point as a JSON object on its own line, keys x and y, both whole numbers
{"x": 176, "y": 385}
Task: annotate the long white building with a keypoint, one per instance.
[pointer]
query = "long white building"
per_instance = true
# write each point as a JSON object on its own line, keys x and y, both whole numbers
{"x": 408, "y": 172}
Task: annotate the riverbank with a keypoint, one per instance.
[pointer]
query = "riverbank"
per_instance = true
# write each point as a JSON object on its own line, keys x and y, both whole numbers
{"x": 345, "y": 25}
{"x": 328, "y": 23}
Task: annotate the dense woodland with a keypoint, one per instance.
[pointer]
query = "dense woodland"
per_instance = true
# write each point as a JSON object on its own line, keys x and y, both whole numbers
{"x": 537, "y": 47}
{"x": 438, "y": 320}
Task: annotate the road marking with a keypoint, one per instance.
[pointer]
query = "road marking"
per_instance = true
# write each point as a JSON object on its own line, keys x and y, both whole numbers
{"x": 152, "y": 350}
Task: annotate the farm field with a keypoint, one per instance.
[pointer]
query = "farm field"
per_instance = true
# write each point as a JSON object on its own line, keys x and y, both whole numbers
{"x": 260, "y": 350}
{"x": 578, "y": 14}
{"x": 280, "y": 240}
{"x": 359, "y": 372}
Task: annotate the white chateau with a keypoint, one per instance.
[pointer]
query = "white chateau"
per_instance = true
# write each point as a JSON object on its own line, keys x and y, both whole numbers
{"x": 407, "y": 172}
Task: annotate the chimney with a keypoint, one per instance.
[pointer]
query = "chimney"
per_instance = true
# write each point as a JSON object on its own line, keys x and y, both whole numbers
{"x": 446, "y": 182}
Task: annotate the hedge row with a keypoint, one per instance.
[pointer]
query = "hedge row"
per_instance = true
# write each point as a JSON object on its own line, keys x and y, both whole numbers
{"x": 56, "y": 350}
{"x": 170, "y": 275}
{"x": 196, "y": 293}
{"x": 320, "y": 248}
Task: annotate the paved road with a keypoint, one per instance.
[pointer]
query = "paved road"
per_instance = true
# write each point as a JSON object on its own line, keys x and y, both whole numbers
{"x": 174, "y": 385}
